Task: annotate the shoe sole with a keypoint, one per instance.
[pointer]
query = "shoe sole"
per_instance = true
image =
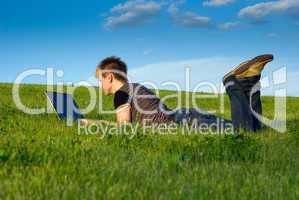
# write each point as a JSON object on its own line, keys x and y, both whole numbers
{"x": 240, "y": 69}
{"x": 260, "y": 59}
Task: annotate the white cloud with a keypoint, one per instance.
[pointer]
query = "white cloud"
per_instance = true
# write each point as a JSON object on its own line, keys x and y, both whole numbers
{"x": 207, "y": 70}
{"x": 133, "y": 12}
{"x": 147, "y": 51}
{"x": 292, "y": 82}
{"x": 137, "y": 6}
{"x": 140, "y": 12}
{"x": 272, "y": 35}
{"x": 188, "y": 19}
{"x": 228, "y": 25}
{"x": 263, "y": 9}
{"x": 216, "y": 3}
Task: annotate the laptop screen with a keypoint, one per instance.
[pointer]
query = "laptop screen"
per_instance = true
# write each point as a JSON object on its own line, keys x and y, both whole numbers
{"x": 64, "y": 105}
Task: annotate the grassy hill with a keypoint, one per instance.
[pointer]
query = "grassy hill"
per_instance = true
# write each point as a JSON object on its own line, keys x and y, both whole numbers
{"x": 42, "y": 158}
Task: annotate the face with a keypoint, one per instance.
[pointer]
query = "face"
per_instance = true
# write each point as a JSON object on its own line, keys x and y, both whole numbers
{"x": 106, "y": 81}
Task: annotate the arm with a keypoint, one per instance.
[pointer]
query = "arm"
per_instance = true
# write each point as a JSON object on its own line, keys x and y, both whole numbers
{"x": 123, "y": 116}
{"x": 123, "y": 111}
{"x": 87, "y": 122}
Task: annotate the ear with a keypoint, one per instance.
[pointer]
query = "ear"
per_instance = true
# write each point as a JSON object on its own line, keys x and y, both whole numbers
{"x": 98, "y": 73}
{"x": 110, "y": 77}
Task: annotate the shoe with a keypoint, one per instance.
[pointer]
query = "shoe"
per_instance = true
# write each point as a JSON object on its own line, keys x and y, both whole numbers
{"x": 250, "y": 68}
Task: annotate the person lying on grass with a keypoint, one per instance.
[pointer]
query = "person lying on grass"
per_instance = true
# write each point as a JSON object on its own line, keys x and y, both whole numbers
{"x": 134, "y": 102}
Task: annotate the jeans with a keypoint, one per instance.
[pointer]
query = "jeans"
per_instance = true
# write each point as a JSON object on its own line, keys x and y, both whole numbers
{"x": 245, "y": 102}
{"x": 201, "y": 120}
{"x": 245, "y": 99}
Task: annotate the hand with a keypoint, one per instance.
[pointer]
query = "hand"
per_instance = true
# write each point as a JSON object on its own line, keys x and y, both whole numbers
{"x": 83, "y": 122}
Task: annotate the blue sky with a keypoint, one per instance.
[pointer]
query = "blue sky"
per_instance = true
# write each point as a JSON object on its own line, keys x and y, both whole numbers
{"x": 74, "y": 36}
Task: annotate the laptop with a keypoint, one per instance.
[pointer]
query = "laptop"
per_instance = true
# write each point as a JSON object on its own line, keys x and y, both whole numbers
{"x": 64, "y": 105}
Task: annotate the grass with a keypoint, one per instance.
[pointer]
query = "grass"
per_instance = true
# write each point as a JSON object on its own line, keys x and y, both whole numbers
{"x": 42, "y": 158}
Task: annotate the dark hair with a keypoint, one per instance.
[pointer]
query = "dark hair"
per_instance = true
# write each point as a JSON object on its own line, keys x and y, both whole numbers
{"x": 116, "y": 65}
